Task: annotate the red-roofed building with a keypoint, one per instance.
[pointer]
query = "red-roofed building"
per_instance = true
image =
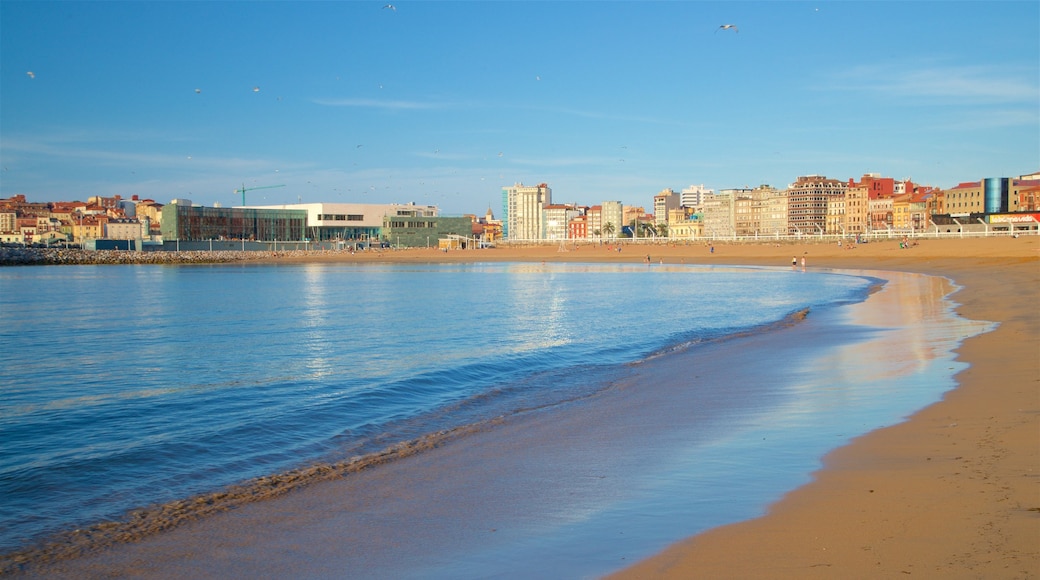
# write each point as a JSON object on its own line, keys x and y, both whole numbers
{"x": 989, "y": 196}
{"x": 578, "y": 228}
{"x": 1026, "y": 198}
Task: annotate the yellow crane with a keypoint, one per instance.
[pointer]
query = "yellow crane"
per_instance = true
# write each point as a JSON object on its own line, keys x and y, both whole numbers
{"x": 245, "y": 189}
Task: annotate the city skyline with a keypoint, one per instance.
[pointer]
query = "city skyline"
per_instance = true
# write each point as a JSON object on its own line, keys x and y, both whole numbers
{"x": 446, "y": 103}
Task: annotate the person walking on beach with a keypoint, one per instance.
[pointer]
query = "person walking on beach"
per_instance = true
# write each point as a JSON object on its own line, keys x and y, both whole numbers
{"x": 794, "y": 262}
{"x": 803, "y": 263}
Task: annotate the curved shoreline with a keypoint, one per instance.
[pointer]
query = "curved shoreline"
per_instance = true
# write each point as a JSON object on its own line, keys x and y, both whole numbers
{"x": 951, "y": 492}
{"x": 143, "y": 522}
{"x": 1001, "y": 273}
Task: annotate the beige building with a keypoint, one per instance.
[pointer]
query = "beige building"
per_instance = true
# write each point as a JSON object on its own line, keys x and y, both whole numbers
{"x": 634, "y": 215}
{"x": 759, "y": 211}
{"x": 685, "y": 224}
{"x": 807, "y": 200}
{"x": 89, "y": 228}
{"x": 835, "y": 223}
{"x": 772, "y": 219}
{"x": 525, "y": 219}
{"x": 910, "y": 212}
{"x": 719, "y": 214}
{"x": 965, "y": 199}
{"x": 125, "y": 229}
{"x": 612, "y": 219}
{"x": 664, "y": 202}
{"x": 857, "y": 210}
{"x": 879, "y": 212}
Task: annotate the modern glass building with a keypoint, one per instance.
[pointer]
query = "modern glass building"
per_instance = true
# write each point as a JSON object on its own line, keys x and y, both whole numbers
{"x": 352, "y": 222}
{"x": 424, "y": 231}
{"x": 196, "y": 223}
{"x": 995, "y": 194}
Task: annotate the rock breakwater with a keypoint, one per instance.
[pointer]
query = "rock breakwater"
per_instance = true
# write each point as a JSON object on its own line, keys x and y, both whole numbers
{"x": 59, "y": 256}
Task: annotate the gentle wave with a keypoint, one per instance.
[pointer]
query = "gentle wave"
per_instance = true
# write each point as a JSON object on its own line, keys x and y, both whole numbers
{"x": 222, "y": 374}
{"x": 373, "y": 447}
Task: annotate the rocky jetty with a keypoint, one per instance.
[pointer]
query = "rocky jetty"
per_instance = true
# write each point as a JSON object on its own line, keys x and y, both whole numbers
{"x": 46, "y": 256}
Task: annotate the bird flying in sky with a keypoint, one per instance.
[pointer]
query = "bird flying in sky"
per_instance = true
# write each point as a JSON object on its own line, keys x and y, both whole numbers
{"x": 391, "y": 7}
{"x": 727, "y": 27}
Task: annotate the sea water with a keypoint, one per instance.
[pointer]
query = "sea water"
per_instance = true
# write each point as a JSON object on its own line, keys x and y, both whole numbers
{"x": 129, "y": 386}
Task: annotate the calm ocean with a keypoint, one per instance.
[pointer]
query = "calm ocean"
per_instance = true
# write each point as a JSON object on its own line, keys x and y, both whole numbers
{"x": 128, "y": 386}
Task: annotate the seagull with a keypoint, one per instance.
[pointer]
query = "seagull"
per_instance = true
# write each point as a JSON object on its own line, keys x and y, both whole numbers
{"x": 256, "y": 89}
{"x": 727, "y": 27}
{"x": 391, "y": 7}
{"x": 197, "y": 91}
{"x": 31, "y": 74}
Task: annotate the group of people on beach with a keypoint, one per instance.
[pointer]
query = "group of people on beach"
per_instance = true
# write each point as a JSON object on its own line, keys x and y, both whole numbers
{"x": 794, "y": 262}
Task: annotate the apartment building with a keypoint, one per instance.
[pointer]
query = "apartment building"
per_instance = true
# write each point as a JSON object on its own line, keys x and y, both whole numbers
{"x": 664, "y": 202}
{"x": 557, "y": 218}
{"x": 612, "y": 219}
{"x": 990, "y": 196}
{"x": 685, "y": 224}
{"x": 693, "y": 196}
{"x": 522, "y": 206}
{"x": 807, "y": 200}
{"x": 719, "y": 214}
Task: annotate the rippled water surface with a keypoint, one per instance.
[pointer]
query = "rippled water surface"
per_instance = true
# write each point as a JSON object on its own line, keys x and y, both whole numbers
{"x": 125, "y": 386}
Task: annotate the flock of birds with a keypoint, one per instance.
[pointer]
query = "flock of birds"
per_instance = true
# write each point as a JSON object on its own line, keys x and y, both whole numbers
{"x": 391, "y": 7}
{"x": 732, "y": 27}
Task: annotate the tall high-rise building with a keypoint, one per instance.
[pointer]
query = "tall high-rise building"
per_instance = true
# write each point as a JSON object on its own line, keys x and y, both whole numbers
{"x": 612, "y": 218}
{"x": 523, "y": 207}
{"x": 693, "y": 196}
{"x": 663, "y": 202}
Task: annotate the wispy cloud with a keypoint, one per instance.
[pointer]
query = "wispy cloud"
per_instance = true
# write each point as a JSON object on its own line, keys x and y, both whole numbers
{"x": 949, "y": 83}
{"x": 577, "y": 161}
{"x": 600, "y": 115}
{"x": 379, "y": 104}
{"x": 443, "y": 156}
{"x": 61, "y": 151}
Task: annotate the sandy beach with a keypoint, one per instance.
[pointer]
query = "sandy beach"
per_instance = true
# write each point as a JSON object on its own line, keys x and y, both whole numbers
{"x": 952, "y": 492}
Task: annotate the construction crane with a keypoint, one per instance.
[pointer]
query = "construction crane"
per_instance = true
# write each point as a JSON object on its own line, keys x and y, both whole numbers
{"x": 245, "y": 189}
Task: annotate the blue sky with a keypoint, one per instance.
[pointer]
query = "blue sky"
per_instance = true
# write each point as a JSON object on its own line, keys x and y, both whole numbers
{"x": 445, "y": 103}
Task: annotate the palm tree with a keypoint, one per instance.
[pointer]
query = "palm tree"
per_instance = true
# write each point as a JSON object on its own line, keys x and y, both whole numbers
{"x": 608, "y": 229}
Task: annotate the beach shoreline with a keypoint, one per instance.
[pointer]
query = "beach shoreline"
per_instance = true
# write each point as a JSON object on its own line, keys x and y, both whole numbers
{"x": 998, "y": 280}
{"x": 951, "y": 492}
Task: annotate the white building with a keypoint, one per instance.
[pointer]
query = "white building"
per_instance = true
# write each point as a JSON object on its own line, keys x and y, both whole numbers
{"x": 524, "y": 211}
{"x": 352, "y": 221}
{"x": 557, "y": 219}
{"x": 693, "y": 196}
